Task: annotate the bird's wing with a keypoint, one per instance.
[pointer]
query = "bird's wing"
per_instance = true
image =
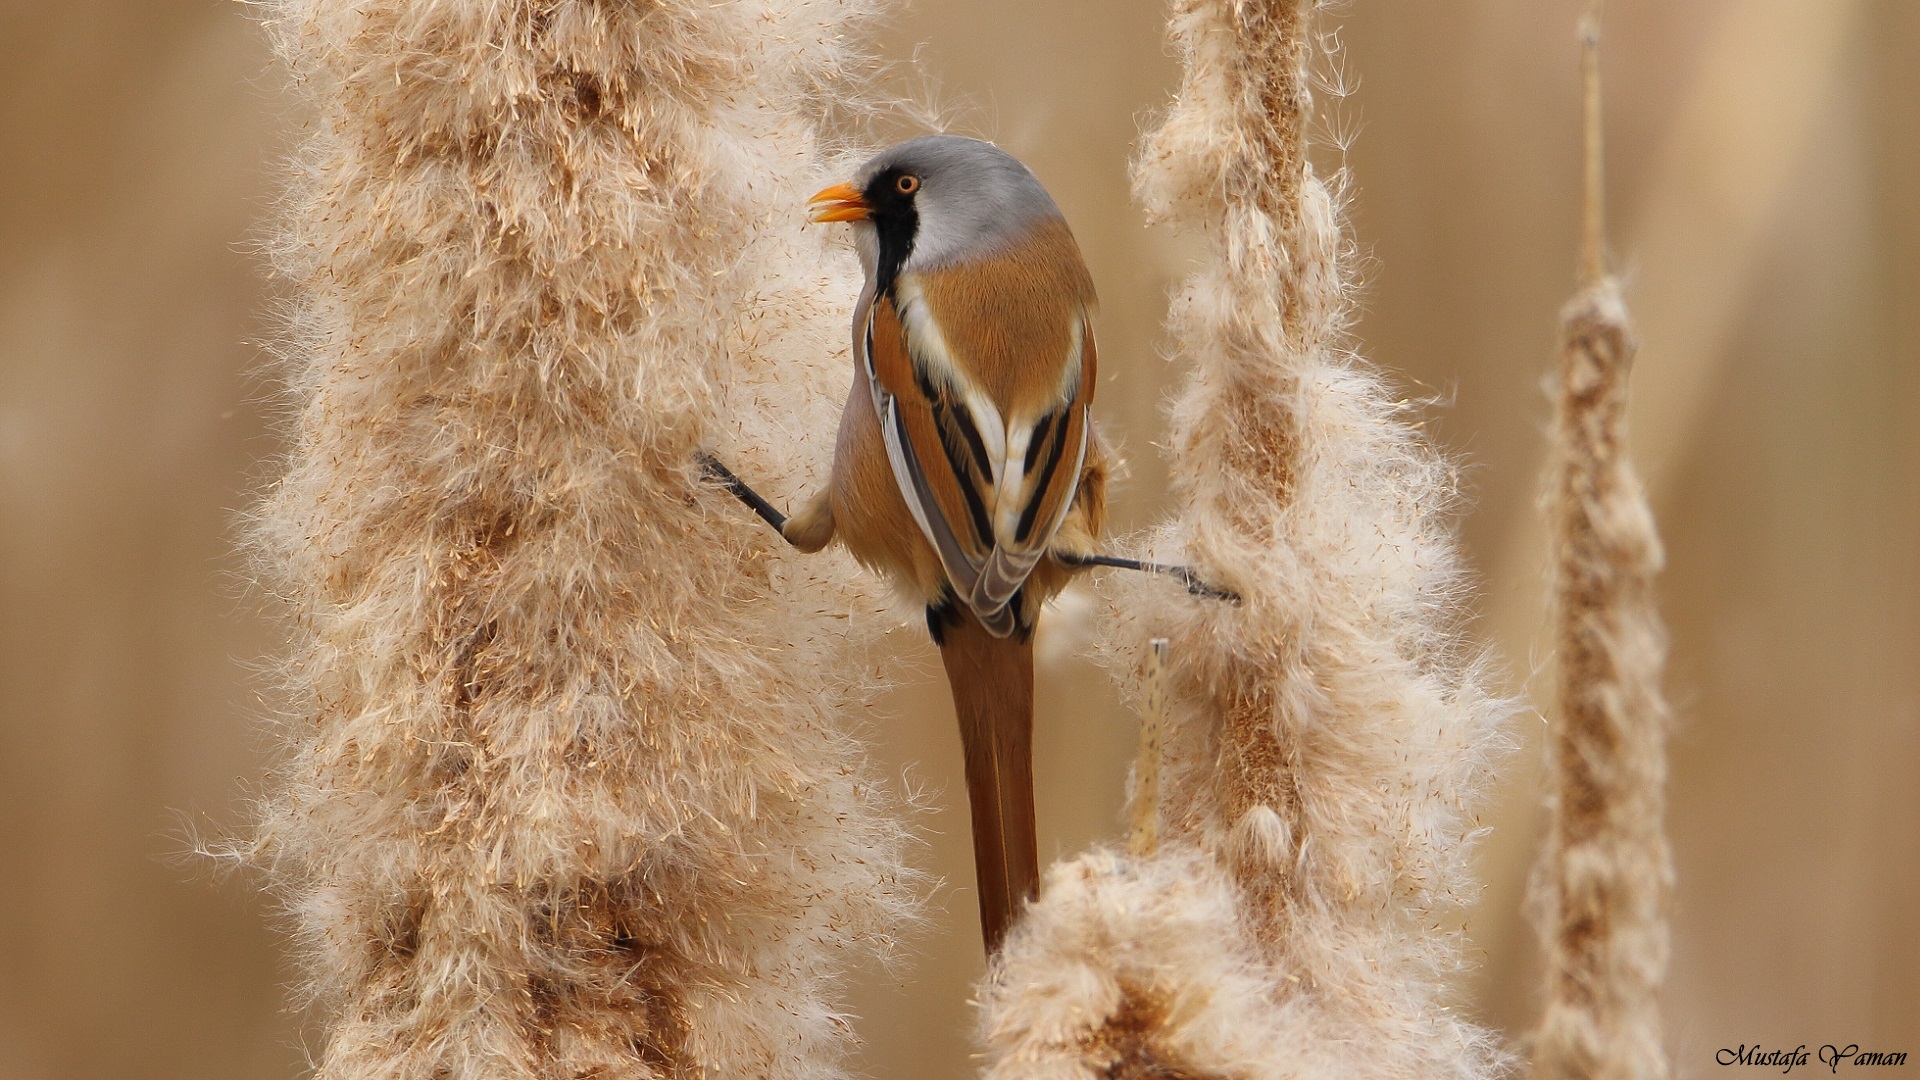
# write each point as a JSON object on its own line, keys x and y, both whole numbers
{"x": 1040, "y": 477}
{"x": 939, "y": 457}
{"x": 988, "y": 494}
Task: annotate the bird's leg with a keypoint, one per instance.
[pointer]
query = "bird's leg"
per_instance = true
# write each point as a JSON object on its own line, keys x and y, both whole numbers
{"x": 808, "y": 529}
{"x": 759, "y": 505}
{"x": 1184, "y": 574}
{"x": 745, "y": 494}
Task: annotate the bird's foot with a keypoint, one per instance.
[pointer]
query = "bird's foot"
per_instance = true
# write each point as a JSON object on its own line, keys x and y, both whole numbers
{"x": 739, "y": 489}
{"x": 1184, "y": 574}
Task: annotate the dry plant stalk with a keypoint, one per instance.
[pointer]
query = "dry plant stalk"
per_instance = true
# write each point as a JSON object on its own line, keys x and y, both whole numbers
{"x": 1143, "y": 808}
{"x": 1602, "y": 884}
{"x": 566, "y": 792}
{"x": 1327, "y": 736}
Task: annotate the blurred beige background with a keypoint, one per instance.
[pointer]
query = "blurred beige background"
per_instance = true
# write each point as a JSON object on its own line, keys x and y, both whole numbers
{"x": 1764, "y": 159}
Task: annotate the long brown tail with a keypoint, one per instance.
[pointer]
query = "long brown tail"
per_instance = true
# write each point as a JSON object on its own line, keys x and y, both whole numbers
{"x": 992, "y": 683}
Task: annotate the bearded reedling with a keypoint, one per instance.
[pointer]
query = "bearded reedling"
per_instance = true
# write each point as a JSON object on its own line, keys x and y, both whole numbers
{"x": 967, "y": 469}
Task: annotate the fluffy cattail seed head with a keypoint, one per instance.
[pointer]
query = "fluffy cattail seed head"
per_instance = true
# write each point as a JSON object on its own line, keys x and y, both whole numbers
{"x": 566, "y": 790}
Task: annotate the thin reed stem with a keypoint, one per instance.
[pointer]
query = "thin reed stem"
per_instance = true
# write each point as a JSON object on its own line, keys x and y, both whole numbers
{"x": 1143, "y": 813}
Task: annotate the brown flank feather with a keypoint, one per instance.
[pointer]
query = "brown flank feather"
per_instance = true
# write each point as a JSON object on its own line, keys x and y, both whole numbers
{"x": 1008, "y": 316}
{"x": 992, "y": 683}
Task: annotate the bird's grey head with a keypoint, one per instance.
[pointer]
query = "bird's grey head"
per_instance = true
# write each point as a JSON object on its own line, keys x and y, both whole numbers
{"x": 942, "y": 199}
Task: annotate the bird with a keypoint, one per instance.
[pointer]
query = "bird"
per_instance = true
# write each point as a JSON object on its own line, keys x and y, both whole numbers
{"x": 967, "y": 470}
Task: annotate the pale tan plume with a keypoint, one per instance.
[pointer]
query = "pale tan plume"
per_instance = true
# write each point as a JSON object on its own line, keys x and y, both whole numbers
{"x": 1603, "y": 883}
{"x": 1327, "y": 735}
{"x": 992, "y": 683}
{"x": 566, "y": 787}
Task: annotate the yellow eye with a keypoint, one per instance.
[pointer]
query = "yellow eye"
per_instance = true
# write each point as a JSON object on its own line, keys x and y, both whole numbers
{"x": 907, "y": 184}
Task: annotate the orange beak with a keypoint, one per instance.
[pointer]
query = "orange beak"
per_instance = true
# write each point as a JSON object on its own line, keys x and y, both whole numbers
{"x": 841, "y": 202}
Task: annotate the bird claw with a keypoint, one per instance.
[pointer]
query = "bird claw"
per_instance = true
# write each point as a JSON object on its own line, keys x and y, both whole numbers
{"x": 738, "y": 489}
{"x": 1184, "y": 574}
